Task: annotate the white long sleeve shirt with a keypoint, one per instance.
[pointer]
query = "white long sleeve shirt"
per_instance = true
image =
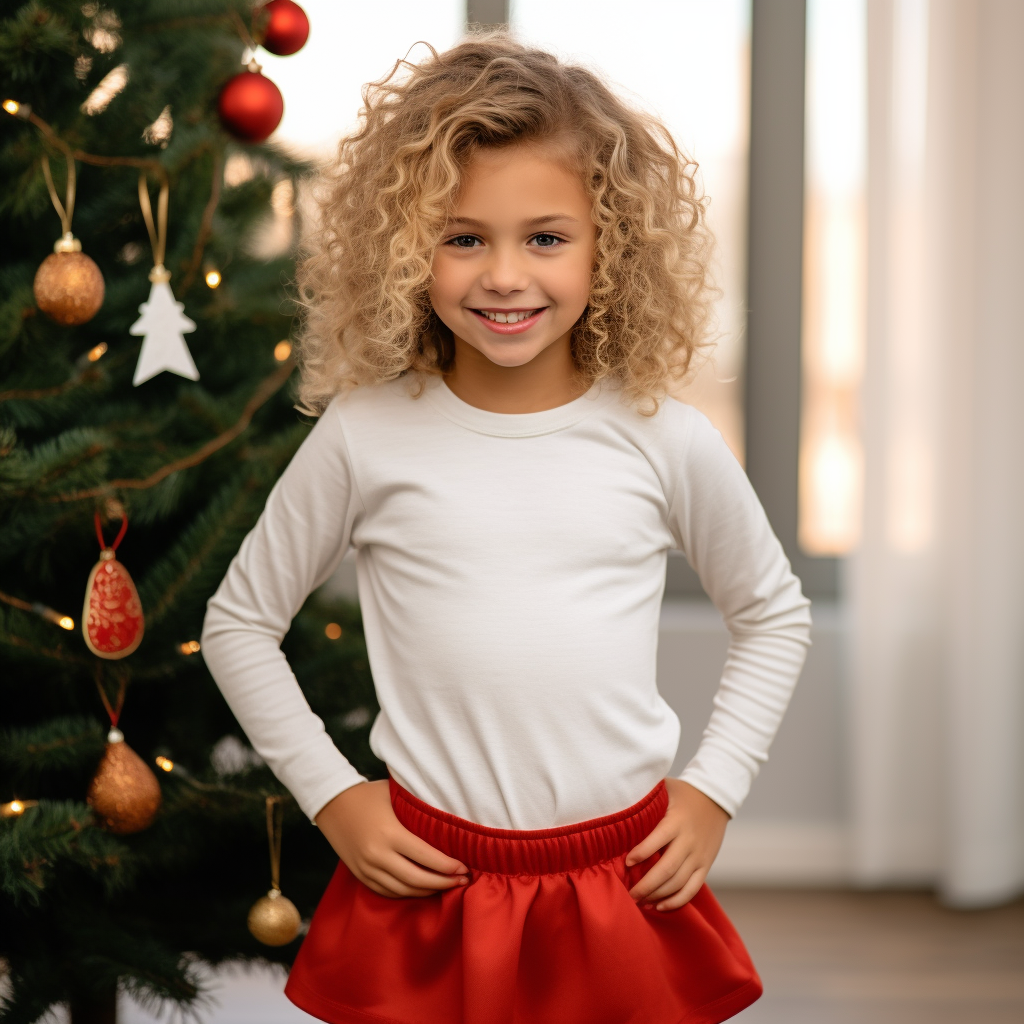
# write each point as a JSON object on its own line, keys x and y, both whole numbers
{"x": 511, "y": 571}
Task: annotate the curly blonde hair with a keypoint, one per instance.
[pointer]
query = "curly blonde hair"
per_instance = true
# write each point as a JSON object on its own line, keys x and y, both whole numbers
{"x": 364, "y": 278}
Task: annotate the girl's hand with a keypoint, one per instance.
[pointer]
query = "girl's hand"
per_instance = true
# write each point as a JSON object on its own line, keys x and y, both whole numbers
{"x": 384, "y": 855}
{"x": 689, "y": 837}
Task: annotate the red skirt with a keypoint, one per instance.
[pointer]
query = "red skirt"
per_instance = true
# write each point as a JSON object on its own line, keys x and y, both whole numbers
{"x": 544, "y": 933}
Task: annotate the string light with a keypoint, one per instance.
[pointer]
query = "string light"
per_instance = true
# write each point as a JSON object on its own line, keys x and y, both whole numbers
{"x": 282, "y": 350}
{"x": 64, "y": 621}
{"x": 97, "y": 352}
{"x": 213, "y": 278}
{"x": 12, "y": 107}
{"x": 165, "y": 763}
{"x": 40, "y": 609}
{"x": 333, "y": 631}
{"x": 189, "y": 647}
{"x": 16, "y": 808}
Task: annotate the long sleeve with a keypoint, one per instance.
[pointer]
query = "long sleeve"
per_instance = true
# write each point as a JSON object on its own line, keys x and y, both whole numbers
{"x": 297, "y": 543}
{"x": 725, "y": 534}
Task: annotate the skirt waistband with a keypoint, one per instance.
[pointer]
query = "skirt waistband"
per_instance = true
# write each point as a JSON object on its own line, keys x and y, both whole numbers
{"x": 535, "y": 852}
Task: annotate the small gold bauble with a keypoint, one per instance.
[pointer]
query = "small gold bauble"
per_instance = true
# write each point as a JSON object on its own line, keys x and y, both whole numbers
{"x": 274, "y": 919}
{"x": 69, "y": 287}
{"x": 124, "y": 793}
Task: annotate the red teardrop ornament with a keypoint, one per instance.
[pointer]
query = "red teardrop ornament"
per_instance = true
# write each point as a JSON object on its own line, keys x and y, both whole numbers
{"x": 112, "y": 621}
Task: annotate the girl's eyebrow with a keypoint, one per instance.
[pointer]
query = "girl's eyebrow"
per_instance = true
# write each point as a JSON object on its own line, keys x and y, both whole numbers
{"x": 532, "y": 222}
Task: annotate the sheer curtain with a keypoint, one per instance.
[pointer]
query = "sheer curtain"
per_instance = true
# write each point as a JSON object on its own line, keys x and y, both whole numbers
{"x": 937, "y": 586}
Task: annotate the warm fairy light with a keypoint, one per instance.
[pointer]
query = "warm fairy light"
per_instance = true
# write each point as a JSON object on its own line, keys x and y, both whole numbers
{"x": 102, "y": 33}
{"x": 212, "y": 278}
{"x": 16, "y": 807}
{"x": 189, "y": 647}
{"x": 97, "y": 352}
{"x": 333, "y": 631}
{"x": 238, "y": 170}
{"x": 159, "y": 132}
{"x": 282, "y": 350}
{"x": 110, "y": 85}
{"x": 12, "y": 106}
{"x": 166, "y": 763}
{"x": 64, "y": 621}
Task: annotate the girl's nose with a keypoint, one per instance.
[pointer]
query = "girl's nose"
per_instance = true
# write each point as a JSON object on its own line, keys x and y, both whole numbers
{"x": 504, "y": 272}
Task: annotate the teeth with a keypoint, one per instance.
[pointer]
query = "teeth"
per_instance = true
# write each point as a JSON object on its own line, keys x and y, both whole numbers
{"x": 508, "y": 318}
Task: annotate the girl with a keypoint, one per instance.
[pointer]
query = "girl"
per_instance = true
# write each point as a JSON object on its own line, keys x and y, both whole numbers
{"x": 510, "y": 274}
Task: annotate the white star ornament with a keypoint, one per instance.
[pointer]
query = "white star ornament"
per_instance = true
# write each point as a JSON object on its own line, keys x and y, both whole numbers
{"x": 162, "y": 325}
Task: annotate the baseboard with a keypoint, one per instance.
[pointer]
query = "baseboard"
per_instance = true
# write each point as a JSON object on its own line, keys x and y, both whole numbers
{"x": 794, "y": 853}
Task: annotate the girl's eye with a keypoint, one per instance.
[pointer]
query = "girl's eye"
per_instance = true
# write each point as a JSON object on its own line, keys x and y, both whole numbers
{"x": 463, "y": 241}
{"x": 546, "y": 241}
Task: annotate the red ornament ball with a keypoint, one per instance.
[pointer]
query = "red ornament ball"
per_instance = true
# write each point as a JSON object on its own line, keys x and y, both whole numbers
{"x": 282, "y": 27}
{"x": 250, "y": 106}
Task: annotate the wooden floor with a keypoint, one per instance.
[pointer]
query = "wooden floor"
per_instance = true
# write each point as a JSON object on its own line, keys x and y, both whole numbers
{"x": 879, "y": 958}
{"x": 825, "y": 958}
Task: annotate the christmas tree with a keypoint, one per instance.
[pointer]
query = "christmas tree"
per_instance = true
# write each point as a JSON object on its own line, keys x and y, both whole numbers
{"x": 87, "y": 910}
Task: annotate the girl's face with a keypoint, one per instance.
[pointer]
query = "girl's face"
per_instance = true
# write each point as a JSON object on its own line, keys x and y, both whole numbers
{"x": 512, "y": 272}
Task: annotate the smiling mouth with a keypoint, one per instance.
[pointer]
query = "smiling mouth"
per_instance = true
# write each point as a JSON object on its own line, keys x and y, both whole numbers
{"x": 511, "y": 316}
{"x": 509, "y": 321}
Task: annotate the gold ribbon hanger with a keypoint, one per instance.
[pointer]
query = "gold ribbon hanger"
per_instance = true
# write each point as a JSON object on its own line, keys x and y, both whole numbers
{"x": 275, "y": 825}
{"x": 65, "y": 210}
{"x": 158, "y": 231}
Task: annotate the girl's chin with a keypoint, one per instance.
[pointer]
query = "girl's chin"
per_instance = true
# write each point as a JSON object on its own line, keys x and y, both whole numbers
{"x": 511, "y": 355}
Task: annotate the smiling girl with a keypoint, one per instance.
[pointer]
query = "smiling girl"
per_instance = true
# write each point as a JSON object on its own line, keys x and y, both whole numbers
{"x": 511, "y": 273}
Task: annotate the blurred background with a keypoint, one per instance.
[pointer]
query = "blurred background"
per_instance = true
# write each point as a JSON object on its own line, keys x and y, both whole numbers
{"x": 863, "y": 163}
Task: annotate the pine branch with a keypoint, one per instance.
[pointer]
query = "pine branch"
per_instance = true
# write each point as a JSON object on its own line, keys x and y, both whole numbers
{"x": 33, "y": 844}
{"x": 265, "y": 391}
{"x": 206, "y": 226}
{"x": 53, "y": 458}
{"x": 221, "y": 518}
{"x": 87, "y": 372}
{"x": 53, "y": 653}
{"x": 143, "y": 163}
{"x": 37, "y": 608}
{"x": 57, "y": 744}
{"x": 24, "y": 1004}
{"x": 32, "y": 394}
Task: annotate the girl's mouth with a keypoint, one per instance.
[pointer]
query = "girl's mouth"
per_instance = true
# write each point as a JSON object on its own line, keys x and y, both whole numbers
{"x": 509, "y": 321}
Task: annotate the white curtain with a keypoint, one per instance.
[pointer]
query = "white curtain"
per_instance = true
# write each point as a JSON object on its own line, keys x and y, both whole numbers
{"x": 937, "y": 587}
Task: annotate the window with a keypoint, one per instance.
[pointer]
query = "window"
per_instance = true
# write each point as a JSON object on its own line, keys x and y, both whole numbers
{"x": 689, "y": 62}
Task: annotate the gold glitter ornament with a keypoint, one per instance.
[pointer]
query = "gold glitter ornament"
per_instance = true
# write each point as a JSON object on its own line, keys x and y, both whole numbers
{"x": 124, "y": 794}
{"x": 68, "y": 285}
{"x": 273, "y": 919}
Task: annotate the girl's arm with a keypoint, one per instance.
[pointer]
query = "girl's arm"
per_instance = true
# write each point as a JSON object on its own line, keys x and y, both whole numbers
{"x": 724, "y": 532}
{"x": 297, "y": 543}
